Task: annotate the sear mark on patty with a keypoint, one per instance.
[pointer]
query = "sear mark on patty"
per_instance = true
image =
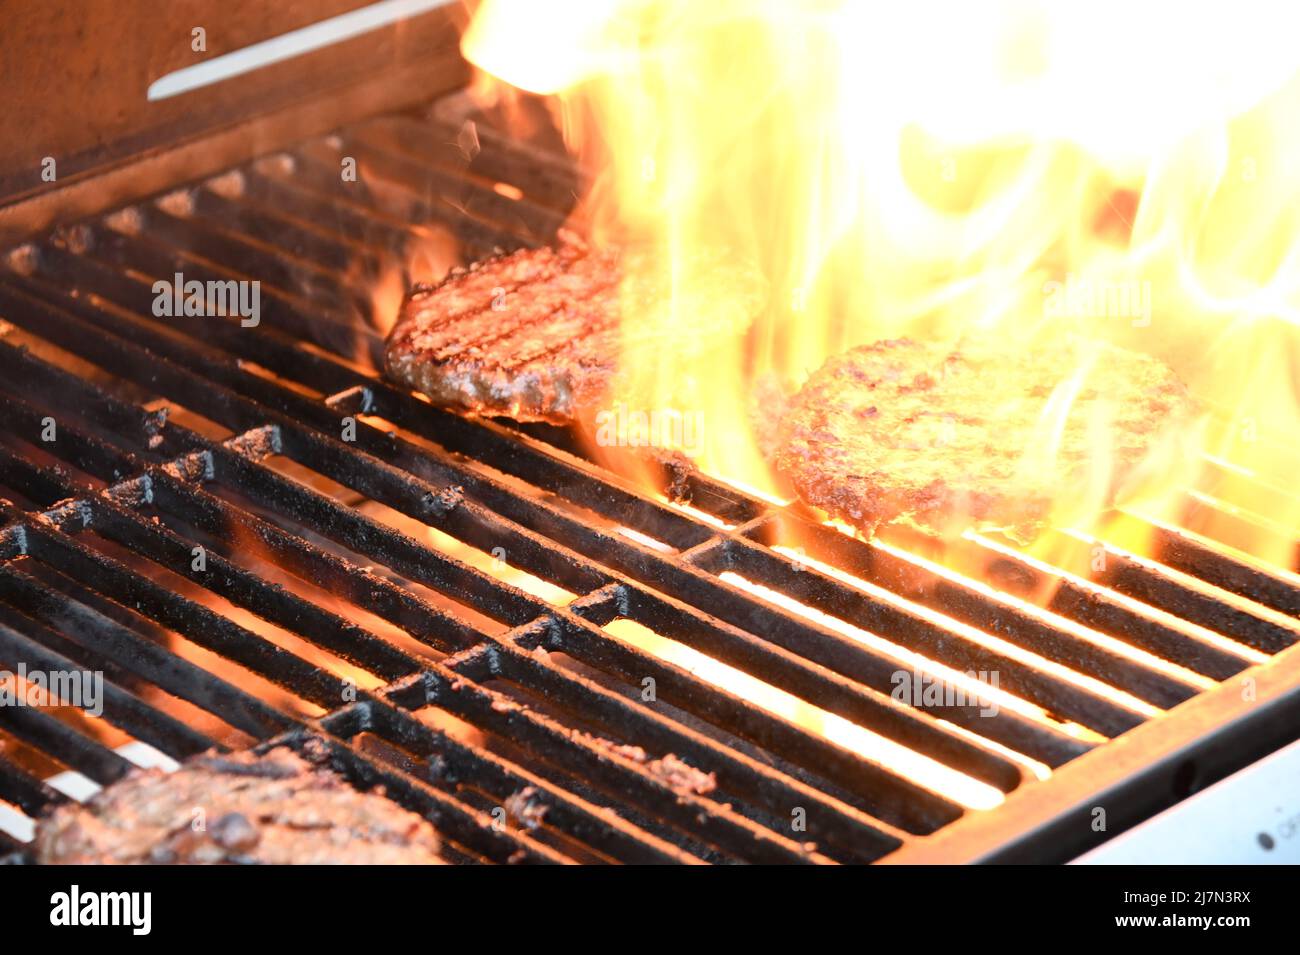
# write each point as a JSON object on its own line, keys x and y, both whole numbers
{"x": 948, "y": 438}
{"x": 535, "y": 335}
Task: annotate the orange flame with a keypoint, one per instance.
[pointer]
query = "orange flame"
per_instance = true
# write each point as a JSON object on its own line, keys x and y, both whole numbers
{"x": 1017, "y": 171}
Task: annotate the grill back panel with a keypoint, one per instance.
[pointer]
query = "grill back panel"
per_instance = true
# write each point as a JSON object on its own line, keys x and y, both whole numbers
{"x": 76, "y": 75}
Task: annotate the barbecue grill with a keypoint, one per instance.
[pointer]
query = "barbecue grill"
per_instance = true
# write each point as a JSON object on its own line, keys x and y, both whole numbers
{"x": 257, "y": 539}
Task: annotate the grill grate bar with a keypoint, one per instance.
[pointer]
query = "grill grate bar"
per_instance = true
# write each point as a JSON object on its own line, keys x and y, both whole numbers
{"x": 84, "y": 755}
{"x": 1115, "y": 721}
{"x": 110, "y": 253}
{"x": 315, "y": 685}
{"x": 732, "y": 833}
{"x": 467, "y": 826}
{"x": 452, "y": 761}
{"x": 828, "y": 817}
{"x": 25, "y": 791}
{"x": 121, "y": 708}
{"x": 933, "y": 638}
{"x": 548, "y": 186}
{"x": 67, "y": 745}
{"x": 545, "y": 175}
{"x": 273, "y": 183}
{"x": 528, "y": 460}
{"x": 1158, "y": 631}
{"x": 333, "y": 253}
{"x": 297, "y": 275}
{"x": 177, "y": 619}
{"x": 196, "y": 622}
{"x": 1052, "y": 635}
{"x": 1243, "y": 620}
{"x": 313, "y": 241}
{"x": 413, "y": 496}
{"x": 885, "y": 794}
{"x": 857, "y": 835}
{"x": 1184, "y": 552}
{"x": 318, "y": 163}
{"x": 367, "y": 537}
{"x": 791, "y": 660}
{"x": 105, "y": 511}
{"x": 180, "y": 350}
{"x": 167, "y": 549}
{"x": 708, "y": 819}
{"x": 532, "y": 223}
{"x": 128, "y": 649}
{"x": 81, "y": 754}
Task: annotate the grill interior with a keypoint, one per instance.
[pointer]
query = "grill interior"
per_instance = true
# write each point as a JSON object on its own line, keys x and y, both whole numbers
{"x": 473, "y": 615}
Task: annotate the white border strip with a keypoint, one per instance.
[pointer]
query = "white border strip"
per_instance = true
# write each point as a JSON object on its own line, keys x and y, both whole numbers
{"x": 287, "y": 45}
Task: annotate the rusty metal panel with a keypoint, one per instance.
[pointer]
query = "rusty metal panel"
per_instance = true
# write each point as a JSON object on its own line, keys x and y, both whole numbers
{"x": 76, "y": 75}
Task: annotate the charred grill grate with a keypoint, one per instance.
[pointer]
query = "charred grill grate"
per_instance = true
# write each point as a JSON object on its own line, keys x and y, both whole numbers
{"x": 325, "y": 607}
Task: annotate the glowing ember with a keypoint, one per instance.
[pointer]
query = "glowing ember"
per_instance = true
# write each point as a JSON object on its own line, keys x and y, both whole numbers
{"x": 924, "y": 770}
{"x": 973, "y": 687}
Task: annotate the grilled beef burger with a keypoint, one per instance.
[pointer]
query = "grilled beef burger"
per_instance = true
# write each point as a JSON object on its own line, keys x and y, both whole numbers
{"x": 948, "y": 438}
{"x": 243, "y": 808}
{"x": 535, "y": 335}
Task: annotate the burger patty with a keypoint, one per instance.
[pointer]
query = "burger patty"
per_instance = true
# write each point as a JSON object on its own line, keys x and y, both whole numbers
{"x": 535, "y": 335}
{"x": 948, "y": 438}
{"x": 242, "y": 808}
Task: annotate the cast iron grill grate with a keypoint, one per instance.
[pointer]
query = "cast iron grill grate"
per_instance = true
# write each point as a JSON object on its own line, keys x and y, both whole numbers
{"x": 460, "y": 608}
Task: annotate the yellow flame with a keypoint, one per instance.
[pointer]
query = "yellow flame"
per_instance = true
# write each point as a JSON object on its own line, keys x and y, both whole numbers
{"x": 1018, "y": 171}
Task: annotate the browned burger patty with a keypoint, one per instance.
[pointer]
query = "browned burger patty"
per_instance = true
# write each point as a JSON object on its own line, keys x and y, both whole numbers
{"x": 946, "y": 438}
{"x": 535, "y": 335}
{"x": 241, "y": 808}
